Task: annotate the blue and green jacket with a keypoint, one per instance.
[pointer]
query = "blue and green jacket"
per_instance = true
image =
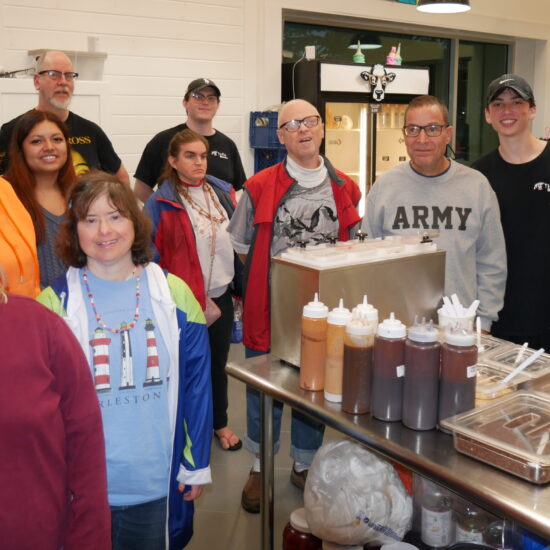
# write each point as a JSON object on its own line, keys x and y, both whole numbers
{"x": 182, "y": 325}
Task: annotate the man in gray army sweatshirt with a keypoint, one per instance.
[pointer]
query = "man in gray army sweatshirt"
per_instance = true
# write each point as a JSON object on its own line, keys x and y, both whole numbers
{"x": 432, "y": 192}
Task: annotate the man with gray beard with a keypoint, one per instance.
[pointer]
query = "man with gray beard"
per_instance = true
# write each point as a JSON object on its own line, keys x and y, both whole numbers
{"x": 90, "y": 147}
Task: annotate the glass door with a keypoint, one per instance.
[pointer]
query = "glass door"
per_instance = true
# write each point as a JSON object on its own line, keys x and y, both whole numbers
{"x": 346, "y": 142}
{"x": 390, "y": 149}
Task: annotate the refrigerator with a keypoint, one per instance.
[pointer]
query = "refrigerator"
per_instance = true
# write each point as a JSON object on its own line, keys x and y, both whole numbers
{"x": 363, "y": 108}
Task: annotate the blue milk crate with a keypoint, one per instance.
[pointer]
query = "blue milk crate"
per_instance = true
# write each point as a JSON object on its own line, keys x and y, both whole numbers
{"x": 263, "y": 158}
{"x": 263, "y": 130}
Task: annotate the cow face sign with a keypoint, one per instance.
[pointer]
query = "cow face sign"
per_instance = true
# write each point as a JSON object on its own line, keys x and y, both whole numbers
{"x": 378, "y": 79}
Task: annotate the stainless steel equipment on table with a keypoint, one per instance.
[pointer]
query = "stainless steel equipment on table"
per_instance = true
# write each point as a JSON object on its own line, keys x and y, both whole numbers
{"x": 407, "y": 285}
{"x": 428, "y": 453}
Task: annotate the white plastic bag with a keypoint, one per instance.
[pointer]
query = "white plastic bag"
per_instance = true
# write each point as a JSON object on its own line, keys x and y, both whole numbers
{"x": 354, "y": 497}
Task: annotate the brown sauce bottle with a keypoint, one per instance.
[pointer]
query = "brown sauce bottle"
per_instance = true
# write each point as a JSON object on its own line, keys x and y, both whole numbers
{"x": 358, "y": 356}
{"x": 389, "y": 370}
{"x": 421, "y": 383}
{"x": 457, "y": 384}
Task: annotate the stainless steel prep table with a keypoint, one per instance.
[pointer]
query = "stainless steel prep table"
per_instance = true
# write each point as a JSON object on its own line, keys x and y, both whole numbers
{"x": 430, "y": 453}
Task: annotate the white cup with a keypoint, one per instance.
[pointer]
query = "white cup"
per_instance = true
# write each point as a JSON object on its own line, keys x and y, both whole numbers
{"x": 465, "y": 322}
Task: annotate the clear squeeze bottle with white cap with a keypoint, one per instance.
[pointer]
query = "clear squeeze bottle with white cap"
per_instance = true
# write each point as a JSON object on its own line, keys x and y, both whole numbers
{"x": 389, "y": 369}
{"x": 334, "y": 365}
{"x": 313, "y": 346}
{"x": 457, "y": 384}
{"x": 370, "y": 312}
{"x": 421, "y": 383}
{"x": 358, "y": 348}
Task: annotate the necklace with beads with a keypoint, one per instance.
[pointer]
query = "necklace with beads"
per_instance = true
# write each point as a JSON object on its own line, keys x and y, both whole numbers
{"x": 182, "y": 188}
{"x": 98, "y": 317}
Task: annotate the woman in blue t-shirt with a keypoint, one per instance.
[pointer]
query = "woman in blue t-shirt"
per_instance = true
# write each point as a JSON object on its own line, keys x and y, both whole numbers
{"x": 146, "y": 341}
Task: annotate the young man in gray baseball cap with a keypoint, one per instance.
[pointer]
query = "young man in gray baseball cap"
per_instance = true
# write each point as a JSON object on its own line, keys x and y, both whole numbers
{"x": 519, "y": 172}
{"x": 512, "y": 82}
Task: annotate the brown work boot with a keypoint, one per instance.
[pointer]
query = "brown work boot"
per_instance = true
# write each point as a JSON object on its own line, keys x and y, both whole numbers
{"x": 298, "y": 479}
{"x": 250, "y": 499}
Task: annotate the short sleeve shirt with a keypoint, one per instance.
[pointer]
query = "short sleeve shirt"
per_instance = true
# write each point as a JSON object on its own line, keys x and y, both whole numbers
{"x": 224, "y": 161}
{"x": 90, "y": 146}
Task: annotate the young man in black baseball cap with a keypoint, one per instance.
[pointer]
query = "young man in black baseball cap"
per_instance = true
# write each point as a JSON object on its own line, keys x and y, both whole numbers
{"x": 519, "y": 172}
{"x": 201, "y": 103}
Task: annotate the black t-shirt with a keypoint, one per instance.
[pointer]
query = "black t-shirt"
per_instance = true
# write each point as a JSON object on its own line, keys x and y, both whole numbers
{"x": 90, "y": 147}
{"x": 224, "y": 161}
{"x": 523, "y": 192}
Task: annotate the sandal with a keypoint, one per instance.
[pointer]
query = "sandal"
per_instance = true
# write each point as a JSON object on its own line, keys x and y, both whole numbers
{"x": 226, "y": 438}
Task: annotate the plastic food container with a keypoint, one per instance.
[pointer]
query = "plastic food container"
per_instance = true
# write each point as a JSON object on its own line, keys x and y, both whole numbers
{"x": 541, "y": 385}
{"x": 490, "y": 344}
{"x": 461, "y": 321}
{"x": 507, "y": 358}
{"x": 489, "y": 385}
{"x": 512, "y": 434}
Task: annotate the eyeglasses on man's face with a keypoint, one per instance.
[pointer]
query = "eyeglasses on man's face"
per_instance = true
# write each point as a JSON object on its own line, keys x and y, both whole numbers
{"x": 56, "y": 75}
{"x": 204, "y": 98}
{"x": 432, "y": 130}
{"x": 294, "y": 124}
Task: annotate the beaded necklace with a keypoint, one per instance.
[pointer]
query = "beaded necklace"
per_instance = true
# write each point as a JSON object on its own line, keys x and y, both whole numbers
{"x": 98, "y": 317}
{"x": 182, "y": 188}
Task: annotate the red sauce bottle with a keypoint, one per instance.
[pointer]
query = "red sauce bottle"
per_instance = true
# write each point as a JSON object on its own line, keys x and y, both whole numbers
{"x": 297, "y": 535}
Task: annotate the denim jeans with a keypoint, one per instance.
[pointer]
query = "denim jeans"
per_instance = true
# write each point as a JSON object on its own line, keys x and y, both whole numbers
{"x": 139, "y": 527}
{"x": 306, "y": 434}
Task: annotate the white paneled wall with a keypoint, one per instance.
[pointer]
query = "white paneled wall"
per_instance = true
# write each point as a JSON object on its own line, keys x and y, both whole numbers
{"x": 154, "y": 49}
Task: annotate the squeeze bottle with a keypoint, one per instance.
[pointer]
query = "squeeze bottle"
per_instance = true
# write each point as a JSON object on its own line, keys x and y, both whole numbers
{"x": 358, "y": 348}
{"x": 334, "y": 365}
{"x": 389, "y": 369}
{"x": 457, "y": 384}
{"x": 313, "y": 346}
{"x": 421, "y": 383}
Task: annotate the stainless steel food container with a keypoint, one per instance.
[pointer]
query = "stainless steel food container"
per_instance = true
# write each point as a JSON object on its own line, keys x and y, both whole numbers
{"x": 408, "y": 286}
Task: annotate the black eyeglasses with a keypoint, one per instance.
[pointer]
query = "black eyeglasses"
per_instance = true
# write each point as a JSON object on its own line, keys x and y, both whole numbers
{"x": 202, "y": 98}
{"x": 56, "y": 75}
{"x": 293, "y": 125}
{"x": 432, "y": 130}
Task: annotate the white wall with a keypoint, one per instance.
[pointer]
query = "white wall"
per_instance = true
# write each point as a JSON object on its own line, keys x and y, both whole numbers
{"x": 155, "y": 47}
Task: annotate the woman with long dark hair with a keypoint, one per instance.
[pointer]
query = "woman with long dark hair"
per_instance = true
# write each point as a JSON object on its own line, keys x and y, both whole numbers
{"x": 41, "y": 173}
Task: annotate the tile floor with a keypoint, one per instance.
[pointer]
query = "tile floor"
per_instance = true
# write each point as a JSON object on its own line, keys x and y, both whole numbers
{"x": 220, "y": 522}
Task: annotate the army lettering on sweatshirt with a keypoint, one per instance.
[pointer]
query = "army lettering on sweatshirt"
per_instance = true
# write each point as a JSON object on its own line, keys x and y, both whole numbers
{"x": 462, "y": 207}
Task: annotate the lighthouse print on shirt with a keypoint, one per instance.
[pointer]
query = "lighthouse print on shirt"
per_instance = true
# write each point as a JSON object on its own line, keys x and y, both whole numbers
{"x": 127, "y": 365}
{"x": 101, "y": 359}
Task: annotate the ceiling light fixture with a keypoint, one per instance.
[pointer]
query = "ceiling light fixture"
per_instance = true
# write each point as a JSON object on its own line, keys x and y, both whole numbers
{"x": 443, "y": 6}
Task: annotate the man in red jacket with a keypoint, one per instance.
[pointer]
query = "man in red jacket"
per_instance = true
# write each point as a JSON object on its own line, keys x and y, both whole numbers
{"x": 301, "y": 198}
